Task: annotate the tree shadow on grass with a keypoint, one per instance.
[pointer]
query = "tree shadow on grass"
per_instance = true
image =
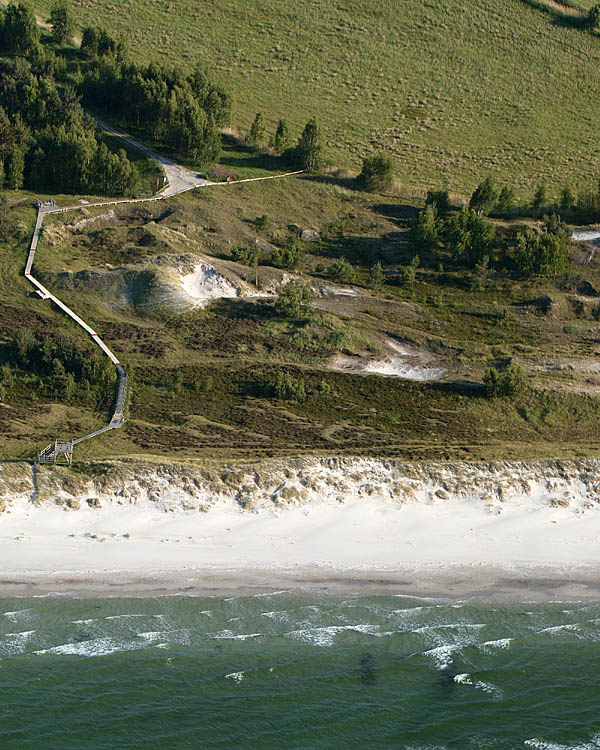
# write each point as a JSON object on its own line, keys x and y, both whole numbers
{"x": 401, "y": 213}
{"x": 461, "y": 387}
{"x": 239, "y": 155}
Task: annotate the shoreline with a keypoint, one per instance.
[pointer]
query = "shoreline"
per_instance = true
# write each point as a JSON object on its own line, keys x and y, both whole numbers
{"x": 505, "y": 531}
{"x": 471, "y": 583}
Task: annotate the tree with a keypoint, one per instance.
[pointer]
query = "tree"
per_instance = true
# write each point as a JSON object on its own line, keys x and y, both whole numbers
{"x": 257, "y": 132}
{"x": 89, "y": 41}
{"x": 377, "y": 173}
{"x": 309, "y": 151}
{"x": 426, "y": 228}
{"x": 20, "y": 34}
{"x": 540, "y": 254}
{"x": 483, "y": 196}
{"x": 553, "y": 224}
{"x": 410, "y": 272}
{"x": 506, "y": 200}
{"x": 295, "y": 300}
{"x": 282, "y": 140}
{"x": 24, "y": 346}
{"x": 249, "y": 255}
{"x": 287, "y": 387}
{"x": 15, "y": 170}
{"x": 341, "y": 271}
{"x": 470, "y": 237}
{"x": 594, "y": 16}
{"x": 509, "y": 383}
{"x": 566, "y": 199}
{"x": 61, "y": 22}
{"x": 289, "y": 257}
{"x": 481, "y": 273}
{"x": 539, "y": 197}
{"x": 440, "y": 200}
{"x": 376, "y": 277}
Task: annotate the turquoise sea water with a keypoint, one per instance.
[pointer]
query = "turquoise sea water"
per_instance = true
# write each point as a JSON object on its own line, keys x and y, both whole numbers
{"x": 298, "y": 671}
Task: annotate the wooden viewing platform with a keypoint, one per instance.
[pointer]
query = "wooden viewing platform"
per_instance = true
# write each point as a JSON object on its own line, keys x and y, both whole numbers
{"x": 52, "y": 453}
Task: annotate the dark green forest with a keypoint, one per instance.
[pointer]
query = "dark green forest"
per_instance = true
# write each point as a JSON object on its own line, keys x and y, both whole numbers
{"x": 48, "y": 140}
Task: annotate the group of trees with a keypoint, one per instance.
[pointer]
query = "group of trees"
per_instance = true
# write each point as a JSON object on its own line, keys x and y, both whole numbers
{"x": 67, "y": 366}
{"x": 47, "y": 141}
{"x": 183, "y": 112}
{"x": 472, "y": 240}
{"x": 306, "y": 154}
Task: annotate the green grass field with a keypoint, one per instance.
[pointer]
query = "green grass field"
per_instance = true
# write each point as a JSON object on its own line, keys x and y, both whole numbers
{"x": 453, "y": 90}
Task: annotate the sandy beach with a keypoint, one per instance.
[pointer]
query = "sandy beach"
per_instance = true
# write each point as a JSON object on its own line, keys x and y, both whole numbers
{"x": 535, "y": 545}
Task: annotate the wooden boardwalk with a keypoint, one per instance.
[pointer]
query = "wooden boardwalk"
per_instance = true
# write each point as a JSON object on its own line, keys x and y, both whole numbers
{"x": 180, "y": 180}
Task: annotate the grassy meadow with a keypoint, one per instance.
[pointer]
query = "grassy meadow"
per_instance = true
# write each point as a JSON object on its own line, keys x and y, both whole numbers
{"x": 453, "y": 90}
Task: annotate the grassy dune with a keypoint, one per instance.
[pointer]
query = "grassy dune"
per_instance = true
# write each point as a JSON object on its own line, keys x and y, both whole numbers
{"x": 454, "y": 90}
{"x": 202, "y": 379}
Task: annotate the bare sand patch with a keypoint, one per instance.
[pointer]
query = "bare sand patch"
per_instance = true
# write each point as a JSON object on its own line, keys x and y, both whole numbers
{"x": 401, "y": 361}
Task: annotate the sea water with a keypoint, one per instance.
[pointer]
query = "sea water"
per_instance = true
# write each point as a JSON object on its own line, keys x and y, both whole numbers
{"x": 293, "y": 670}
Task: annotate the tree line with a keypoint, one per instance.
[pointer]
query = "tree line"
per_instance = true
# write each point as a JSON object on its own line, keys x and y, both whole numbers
{"x": 183, "y": 112}
{"x": 48, "y": 141}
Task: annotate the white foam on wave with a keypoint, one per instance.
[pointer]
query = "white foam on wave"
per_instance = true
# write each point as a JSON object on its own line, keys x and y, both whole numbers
{"x": 572, "y": 628}
{"x": 442, "y": 656}
{"x": 538, "y": 744}
{"x": 270, "y": 593}
{"x": 502, "y": 644}
{"x": 17, "y": 615}
{"x": 237, "y": 676}
{"x": 325, "y": 636}
{"x": 164, "y": 638}
{"x": 82, "y": 622}
{"x": 229, "y": 635}
{"x": 15, "y": 643}
{"x": 118, "y": 617}
{"x": 486, "y": 687}
{"x": 95, "y": 647}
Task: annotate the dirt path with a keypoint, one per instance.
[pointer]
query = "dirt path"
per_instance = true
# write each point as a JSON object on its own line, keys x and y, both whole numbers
{"x": 179, "y": 180}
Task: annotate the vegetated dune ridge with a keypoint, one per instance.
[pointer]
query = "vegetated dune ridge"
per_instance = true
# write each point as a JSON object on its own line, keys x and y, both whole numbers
{"x": 340, "y": 514}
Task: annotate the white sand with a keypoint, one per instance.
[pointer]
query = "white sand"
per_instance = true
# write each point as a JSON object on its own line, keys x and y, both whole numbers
{"x": 401, "y": 361}
{"x": 204, "y": 284}
{"x": 355, "y": 537}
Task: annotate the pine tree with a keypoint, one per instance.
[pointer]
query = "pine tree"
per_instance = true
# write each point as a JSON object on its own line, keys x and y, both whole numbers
{"x": 483, "y": 196}
{"x": 15, "y": 170}
{"x": 426, "y": 228}
{"x": 282, "y": 140}
{"x": 61, "y": 22}
{"x": 21, "y": 33}
{"x": 566, "y": 199}
{"x": 410, "y": 272}
{"x": 539, "y": 197}
{"x": 376, "y": 277}
{"x": 506, "y": 199}
{"x": 377, "y": 173}
{"x": 309, "y": 151}
{"x": 257, "y": 132}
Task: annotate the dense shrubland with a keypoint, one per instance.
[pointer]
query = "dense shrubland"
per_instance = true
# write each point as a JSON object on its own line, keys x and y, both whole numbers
{"x": 64, "y": 368}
